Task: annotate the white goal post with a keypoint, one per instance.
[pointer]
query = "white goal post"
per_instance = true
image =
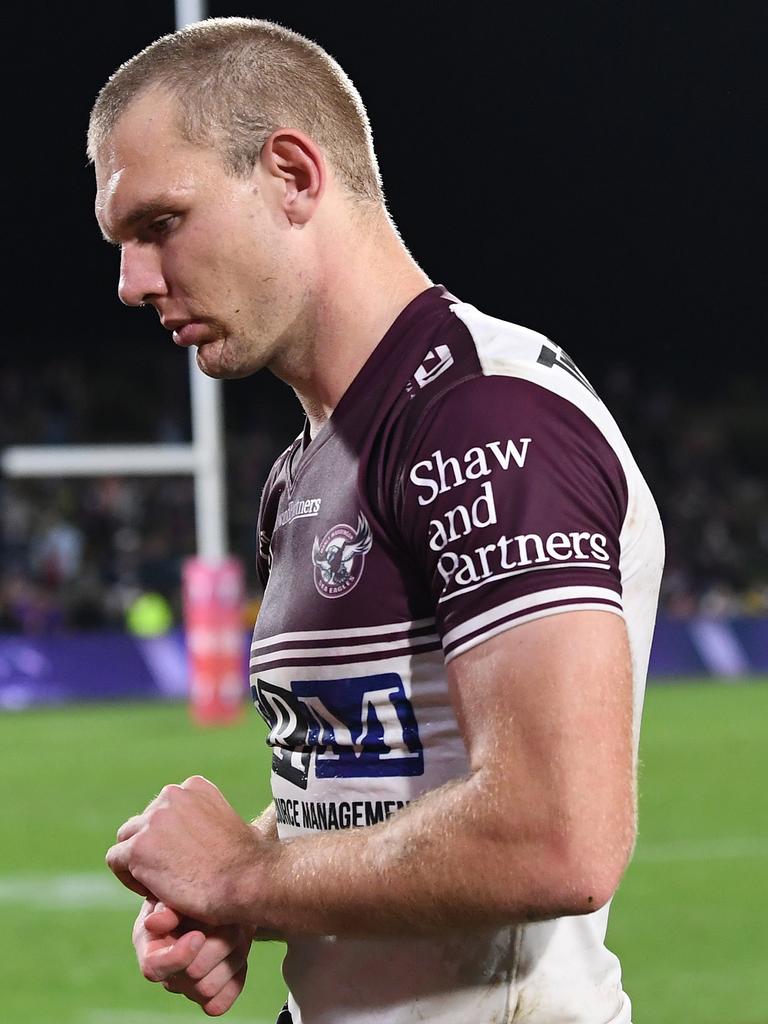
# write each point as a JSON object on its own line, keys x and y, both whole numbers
{"x": 203, "y": 458}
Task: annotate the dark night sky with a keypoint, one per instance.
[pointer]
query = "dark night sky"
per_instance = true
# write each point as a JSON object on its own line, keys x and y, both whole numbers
{"x": 594, "y": 169}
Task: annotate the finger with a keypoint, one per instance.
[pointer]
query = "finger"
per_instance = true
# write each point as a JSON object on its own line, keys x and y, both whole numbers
{"x": 200, "y": 784}
{"x": 162, "y": 920}
{"x": 229, "y": 942}
{"x": 118, "y": 856}
{"x": 131, "y": 883}
{"x": 131, "y": 827}
{"x": 162, "y": 964}
{"x": 209, "y": 987}
{"x": 178, "y": 984}
{"x": 117, "y": 859}
{"x": 147, "y": 907}
{"x": 222, "y": 1001}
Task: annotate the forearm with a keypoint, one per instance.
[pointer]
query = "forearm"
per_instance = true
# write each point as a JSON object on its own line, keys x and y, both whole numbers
{"x": 542, "y": 827}
{"x": 443, "y": 861}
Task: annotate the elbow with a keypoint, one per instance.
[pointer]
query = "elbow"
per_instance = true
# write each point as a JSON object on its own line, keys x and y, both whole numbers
{"x": 589, "y": 887}
{"x": 585, "y": 872}
{"x": 572, "y": 876}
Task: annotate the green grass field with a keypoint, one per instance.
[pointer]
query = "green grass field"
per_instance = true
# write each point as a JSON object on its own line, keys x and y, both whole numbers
{"x": 688, "y": 921}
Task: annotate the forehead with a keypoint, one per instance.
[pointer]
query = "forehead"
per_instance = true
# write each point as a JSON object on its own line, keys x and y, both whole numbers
{"x": 143, "y": 158}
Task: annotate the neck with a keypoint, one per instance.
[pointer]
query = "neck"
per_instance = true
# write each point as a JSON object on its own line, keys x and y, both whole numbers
{"x": 357, "y": 298}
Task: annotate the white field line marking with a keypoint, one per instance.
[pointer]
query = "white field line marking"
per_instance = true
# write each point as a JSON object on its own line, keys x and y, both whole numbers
{"x": 86, "y": 891}
{"x": 98, "y": 891}
{"x": 144, "y": 1017}
{"x": 730, "y": 848}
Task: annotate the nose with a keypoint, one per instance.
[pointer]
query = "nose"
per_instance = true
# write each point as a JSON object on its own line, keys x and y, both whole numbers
{"x": 141, "y": 276}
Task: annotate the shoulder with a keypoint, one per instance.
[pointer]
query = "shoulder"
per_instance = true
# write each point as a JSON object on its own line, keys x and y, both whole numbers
{"x": 473, "y": 356}
{"x": 493, "y": 397}
{"x": 496, "y": 387}
{"x": 515, "y": 353}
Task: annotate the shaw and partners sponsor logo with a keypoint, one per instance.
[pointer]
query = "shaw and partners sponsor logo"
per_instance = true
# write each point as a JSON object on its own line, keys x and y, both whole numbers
{"x": 339, "y": 558}
{"x": 520, "y": 553}
{"x": 436, "y": 475}
{"x": 350, "y": 728}
{"x": 465, "y": 569}
{"x": 303, "y": 508}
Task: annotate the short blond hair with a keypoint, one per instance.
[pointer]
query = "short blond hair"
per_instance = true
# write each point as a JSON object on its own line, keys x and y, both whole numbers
{"x": 237, "y": 80}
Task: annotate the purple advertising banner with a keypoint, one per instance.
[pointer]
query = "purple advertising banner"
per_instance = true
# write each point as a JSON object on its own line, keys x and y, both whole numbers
{"x": 115, "y": 666}
{"x": 93, "y": 667}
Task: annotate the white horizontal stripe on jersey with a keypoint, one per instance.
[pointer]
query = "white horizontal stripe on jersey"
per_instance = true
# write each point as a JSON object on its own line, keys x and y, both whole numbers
{"x": 538, "y": 614}
{"x": 331, "y": 634}
{"x": 519, "y": 572}
{"x": 402, "y": 646}
{"x": 528, "y": 601}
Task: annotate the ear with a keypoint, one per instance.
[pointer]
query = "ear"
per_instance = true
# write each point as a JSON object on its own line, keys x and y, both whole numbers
{"x": 291, "y": 158}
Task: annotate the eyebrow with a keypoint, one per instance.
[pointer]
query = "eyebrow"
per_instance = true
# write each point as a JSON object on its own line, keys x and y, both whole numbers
{"x": 144, "y": 211}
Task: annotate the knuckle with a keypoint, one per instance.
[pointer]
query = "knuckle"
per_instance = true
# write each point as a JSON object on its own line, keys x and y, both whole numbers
{"x": 208, "y": 988}
{"x": 174, "y": 984}
{"x": 147, "y": 971}
{"x": 168, "y": 794}
{"x": 197, "y": 971}
{"x": 197, "y": 782}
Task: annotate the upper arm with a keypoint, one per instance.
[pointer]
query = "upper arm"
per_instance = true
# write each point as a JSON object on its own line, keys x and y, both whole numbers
{"x": 513, "y": 503}
{"x": 546, "y": 713}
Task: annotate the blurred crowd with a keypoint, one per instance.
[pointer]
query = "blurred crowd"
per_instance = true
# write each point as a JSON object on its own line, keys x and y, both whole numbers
{"x": 85, "y": 553}
{"x": 706, "y": 460}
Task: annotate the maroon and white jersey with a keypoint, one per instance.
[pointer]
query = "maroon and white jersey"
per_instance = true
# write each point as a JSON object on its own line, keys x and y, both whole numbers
{"x": 469, "y": 480}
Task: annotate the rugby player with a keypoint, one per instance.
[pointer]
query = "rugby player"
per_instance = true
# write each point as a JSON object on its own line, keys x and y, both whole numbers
{"x": 461, "y": 565}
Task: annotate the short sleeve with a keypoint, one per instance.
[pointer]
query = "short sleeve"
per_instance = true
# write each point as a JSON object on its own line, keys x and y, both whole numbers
{"x": 511, "y": 501}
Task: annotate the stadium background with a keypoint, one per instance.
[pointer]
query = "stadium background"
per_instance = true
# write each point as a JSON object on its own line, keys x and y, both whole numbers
{"x": 594, "y": 170}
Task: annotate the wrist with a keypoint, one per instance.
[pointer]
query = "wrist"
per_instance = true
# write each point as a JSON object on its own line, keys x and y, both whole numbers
{"x": 258, "y": 885}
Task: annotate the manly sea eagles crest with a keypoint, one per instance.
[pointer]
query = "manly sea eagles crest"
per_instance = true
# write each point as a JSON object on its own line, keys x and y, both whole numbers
{"x": 340, "y": 556}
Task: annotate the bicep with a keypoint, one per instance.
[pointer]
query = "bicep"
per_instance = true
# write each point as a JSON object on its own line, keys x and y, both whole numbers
{"x": 545, "y": 709}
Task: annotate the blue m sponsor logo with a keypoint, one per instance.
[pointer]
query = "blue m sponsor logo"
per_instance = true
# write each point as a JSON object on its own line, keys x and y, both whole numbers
{"x": 353, "y": 728}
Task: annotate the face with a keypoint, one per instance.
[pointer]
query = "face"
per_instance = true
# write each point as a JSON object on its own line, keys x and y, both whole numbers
{"x": 213, "y": 253}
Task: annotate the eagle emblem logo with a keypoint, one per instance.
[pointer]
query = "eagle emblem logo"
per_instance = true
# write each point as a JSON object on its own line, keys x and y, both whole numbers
{"x": 339, "y": 558}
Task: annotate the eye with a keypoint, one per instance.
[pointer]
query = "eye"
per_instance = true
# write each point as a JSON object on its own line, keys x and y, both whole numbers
{"x": 163, "y": 225}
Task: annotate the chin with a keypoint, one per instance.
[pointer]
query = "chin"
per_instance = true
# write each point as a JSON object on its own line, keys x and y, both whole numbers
{"x": 216, "y": 359}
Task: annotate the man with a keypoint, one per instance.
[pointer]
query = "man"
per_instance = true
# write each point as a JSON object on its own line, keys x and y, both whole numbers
{"x": 461, "y": 563}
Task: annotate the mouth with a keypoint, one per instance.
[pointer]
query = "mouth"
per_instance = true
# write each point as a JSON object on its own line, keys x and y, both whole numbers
{"x": 187, "y": 332}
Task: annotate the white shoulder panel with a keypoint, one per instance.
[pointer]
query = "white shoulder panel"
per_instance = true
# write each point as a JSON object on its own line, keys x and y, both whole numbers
{"x": 506, "y": 349}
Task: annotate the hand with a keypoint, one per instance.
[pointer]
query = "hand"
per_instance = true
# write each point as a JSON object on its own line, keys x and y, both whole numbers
{"x": 207, "y": 965}
{"x": 190, "y": 850}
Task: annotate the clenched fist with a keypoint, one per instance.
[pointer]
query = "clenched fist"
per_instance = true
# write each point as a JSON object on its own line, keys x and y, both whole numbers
{"x": 190, "y": 850}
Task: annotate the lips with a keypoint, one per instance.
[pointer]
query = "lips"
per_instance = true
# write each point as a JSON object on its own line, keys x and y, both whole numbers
{"x": 192, "y": 333}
